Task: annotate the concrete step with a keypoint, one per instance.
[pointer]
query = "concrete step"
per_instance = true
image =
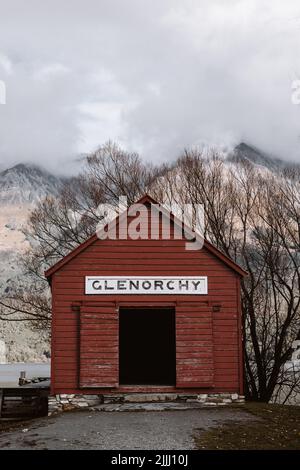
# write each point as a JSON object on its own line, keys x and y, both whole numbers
{"x": 142, "y": 398}
{"x": 166, "y": 406}
{"x": 141, "y": 401}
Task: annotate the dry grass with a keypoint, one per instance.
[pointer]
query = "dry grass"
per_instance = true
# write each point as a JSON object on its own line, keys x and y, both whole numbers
{"x": 276, "y": 427}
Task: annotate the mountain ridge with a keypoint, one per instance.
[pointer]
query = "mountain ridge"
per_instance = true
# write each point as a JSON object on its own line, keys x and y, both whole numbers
{"x": 30, "y": 182}
{"x": 21, "y": 187}
{"x": 27, "y": 183}
{"x": 247, "y": 152}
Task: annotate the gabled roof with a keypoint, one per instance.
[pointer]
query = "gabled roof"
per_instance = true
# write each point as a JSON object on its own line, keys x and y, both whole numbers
{"x": 145, "y": 199}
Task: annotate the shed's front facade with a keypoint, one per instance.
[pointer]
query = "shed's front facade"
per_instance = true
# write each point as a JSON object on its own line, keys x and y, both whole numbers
{"x": 145, "y": 316}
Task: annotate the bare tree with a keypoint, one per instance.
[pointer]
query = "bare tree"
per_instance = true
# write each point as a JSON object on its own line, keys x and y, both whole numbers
{"x": 58, "y": 225}
{"x": 253, "y": 217}
{"x": 250, "y": 215}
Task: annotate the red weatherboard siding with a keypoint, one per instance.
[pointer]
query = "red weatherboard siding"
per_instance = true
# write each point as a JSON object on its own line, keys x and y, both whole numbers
{"x": 85, "y": 327}
{"x": 194, "y": 346}
{"x": 133, "y": 258}
{"x": 99, "y": 340}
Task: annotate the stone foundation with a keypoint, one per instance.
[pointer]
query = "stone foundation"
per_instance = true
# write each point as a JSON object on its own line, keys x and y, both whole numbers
{"x": 69, "y": 402}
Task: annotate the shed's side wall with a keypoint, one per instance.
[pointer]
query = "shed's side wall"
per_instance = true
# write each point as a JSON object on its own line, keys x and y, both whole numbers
{"x": 145, "y": 258}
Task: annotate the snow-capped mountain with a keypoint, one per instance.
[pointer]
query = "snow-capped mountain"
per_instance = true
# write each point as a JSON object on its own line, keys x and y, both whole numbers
{"x": 21, "y": 187}
{"x": 246, "y": 152}
{"x": 26, "y": 183}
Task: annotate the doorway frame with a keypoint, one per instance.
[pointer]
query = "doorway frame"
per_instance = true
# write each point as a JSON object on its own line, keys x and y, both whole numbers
{"x": 150, "y": 306}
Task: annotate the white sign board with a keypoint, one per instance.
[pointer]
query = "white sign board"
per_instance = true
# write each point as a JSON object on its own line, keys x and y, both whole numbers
{"x": 188, "y": 285}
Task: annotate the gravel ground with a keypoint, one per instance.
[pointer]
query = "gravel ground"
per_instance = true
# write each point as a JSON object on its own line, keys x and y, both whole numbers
{"x": 169, "y": 430}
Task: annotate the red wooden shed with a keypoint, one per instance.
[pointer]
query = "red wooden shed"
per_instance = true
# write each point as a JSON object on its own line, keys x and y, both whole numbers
{"x": 145, "y": 315}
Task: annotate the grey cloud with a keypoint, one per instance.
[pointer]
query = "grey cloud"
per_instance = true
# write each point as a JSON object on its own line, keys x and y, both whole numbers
{"x": 155, "y": 76}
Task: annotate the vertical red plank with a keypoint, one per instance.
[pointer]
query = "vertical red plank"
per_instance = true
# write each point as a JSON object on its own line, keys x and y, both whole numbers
{"x": 53, "y": 329}
{"x": 194, "y": 346}
{"x": 99, "y": 345}
{"x": 240, "y": 338}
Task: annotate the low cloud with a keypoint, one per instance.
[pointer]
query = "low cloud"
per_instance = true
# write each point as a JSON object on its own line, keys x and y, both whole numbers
{"x": 155, "y": 76}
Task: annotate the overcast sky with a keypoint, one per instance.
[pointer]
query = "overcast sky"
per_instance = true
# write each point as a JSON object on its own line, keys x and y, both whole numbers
{"x": 154, "y": 75}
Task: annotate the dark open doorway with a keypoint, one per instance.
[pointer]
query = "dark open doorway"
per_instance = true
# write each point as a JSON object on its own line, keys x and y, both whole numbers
{"x": 147, "y": 346}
